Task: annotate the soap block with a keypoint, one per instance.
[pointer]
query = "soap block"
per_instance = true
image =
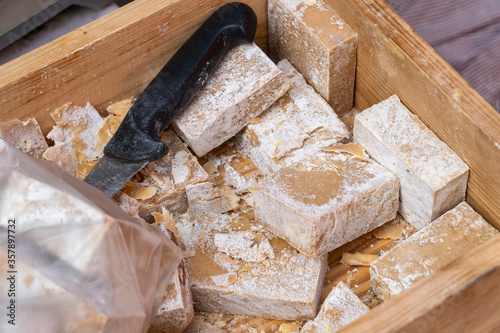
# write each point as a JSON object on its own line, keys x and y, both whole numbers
{"x": 320, "y": 204}
{"x": 244, "y": 84}
{"x": 447, "y": 238}
{"x": 341, "y": 307}
{"x": 75, "y": 136}
{"x": 176, "y": 310}
{"x": 25, "y": 136}
{"x": 319, "y": 44}
{"x": 237, "y": 267}
{"x": 433, "y": 177}
{"x": 298, "y": 124}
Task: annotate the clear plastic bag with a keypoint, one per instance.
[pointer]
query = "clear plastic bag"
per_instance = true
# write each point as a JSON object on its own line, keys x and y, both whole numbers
{"x": 78, "y": 263}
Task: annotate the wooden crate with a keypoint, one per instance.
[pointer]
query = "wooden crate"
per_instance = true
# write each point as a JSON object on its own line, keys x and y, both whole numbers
{"x": 116, "y": 56}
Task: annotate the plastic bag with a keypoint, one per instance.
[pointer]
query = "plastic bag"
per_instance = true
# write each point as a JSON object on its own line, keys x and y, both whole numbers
{"x": 71, "y": 259}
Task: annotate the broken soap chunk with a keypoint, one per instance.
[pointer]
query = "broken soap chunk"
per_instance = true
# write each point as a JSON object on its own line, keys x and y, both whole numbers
{"x": 294, "y": 126}
{"x": 430, "y": 249}
{"x": 169, "y": 177}
{"x": 75, "y": 136}
{"x": 245, "y": 83}
{"x": 319, "y": 44}
{"x": 433, "y": 177}
{"x": 199, "y": 325}
{"x": 176, "y": 310}
{"x": 25, "y": 136}
{"x": 340, "y": 308}
{"x": 240, "y": 268}
{"x": 327, "y": 201}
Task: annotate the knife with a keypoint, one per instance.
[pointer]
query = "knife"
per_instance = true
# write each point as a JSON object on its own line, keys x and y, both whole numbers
{"x": 136, "y": 142}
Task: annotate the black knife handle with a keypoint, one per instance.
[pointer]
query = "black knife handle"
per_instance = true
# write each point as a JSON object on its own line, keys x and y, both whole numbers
{"x": 137, "y": 138}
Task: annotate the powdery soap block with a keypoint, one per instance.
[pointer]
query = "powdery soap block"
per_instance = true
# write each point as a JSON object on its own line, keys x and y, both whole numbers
{"x": 319, "y": 44}
{"x": 430, "y": 249}
{"x": 324, "y": 202}
{"x": 237, "y": 267}
{"x": 244, "y": 84}
{"x": 299, "y": 123}
{"x": 25, "y": 136}
{"x": 433, "y": 177}
{"x": 341, "y": 307}
{"x": 176, "y": 310}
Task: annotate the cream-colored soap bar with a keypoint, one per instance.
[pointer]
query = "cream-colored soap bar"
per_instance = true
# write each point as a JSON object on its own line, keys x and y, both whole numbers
{"x": 319, "y": 44}
{"x": 341, "y": 307}
{"x": 430, "y": 249}
{"x": 324, "y": 202}
{"x": 176, "y": 310}
{"x": 246, "y": 83}
{"x": 298, "y": 124}
{"x": 433, "y": 177}
{"x": 237, "y": 267}
{"x": 25, "y": 135}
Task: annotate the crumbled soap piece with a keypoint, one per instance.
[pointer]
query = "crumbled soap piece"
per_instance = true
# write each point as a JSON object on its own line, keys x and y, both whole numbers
{"x": 199, "y": 325}
{"x": 289, "y": 328}
{"x": 245, "y": 83}
{"x": 117, "y": 112}
{"x": 167, "y": 219}
{"x": 433, "y": 177}
{"x": 319, "y": 44}
{"x": 358, "y": 259}
{"x": 447, "y": 238}
{"x": 75, "y": 136}
{"x": 139, "y": 192}
{"x": 176, "y": 310}
{"x": 286, "y": 285}
{"x": 323, "y": 203}
{"x": 340, "y": 308}
{"x": 390, "y": 230}
{"x": 296, "y": 125}
{"x": 25, "y": 136}
{"x": 170, "y": 176}
{"x": 204, "y": 198}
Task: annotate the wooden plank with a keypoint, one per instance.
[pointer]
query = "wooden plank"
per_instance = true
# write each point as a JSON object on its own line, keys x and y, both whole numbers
{"x": 462, "y": 297}
{"x": 393, "y": 59}
{"x": 107, "y": 60}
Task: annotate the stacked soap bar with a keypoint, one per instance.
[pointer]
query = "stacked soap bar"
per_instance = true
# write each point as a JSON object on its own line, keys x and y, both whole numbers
{"x": 340, "y": 308}
{"x": 244, "y": 84}
{"x": 327, "y": 200}
{"x": 237, "y": 267}
{"x": 319, "y": 44}
{"x": 297, "y": 125}
{"x": 433, "y": 177}
{"x": 425, "y": 252}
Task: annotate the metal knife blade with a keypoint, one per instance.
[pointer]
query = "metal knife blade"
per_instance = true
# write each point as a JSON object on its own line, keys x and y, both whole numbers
{"x": 136, "y": 142}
